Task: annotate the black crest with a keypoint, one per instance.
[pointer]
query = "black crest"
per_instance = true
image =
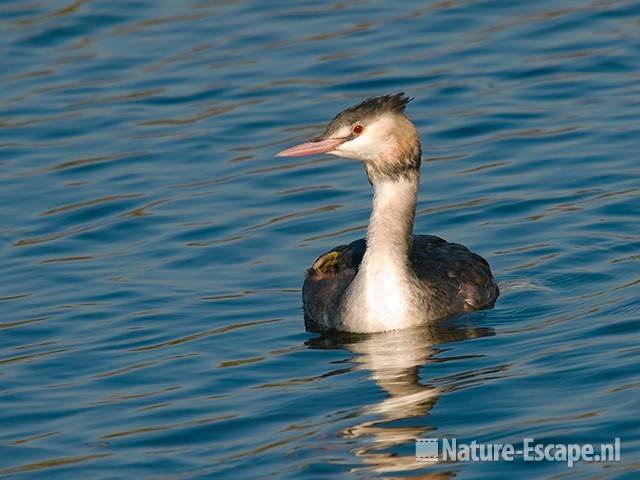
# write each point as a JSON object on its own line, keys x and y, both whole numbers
{"x": 377, "y": 105}
{"x": 371, "y": 107}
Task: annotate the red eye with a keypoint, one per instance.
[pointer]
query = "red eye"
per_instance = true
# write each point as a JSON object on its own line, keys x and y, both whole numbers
{"x": 358, "y": 129}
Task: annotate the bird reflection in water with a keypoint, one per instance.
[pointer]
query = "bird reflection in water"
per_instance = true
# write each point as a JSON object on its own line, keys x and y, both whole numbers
{"x": 395, "y": 359}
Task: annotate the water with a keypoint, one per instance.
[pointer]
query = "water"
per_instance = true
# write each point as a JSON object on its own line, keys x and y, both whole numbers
{"x": 153, "y": 249}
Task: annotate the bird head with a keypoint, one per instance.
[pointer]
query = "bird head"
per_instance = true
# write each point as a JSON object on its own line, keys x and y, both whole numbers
{"x": 375, "y": 132}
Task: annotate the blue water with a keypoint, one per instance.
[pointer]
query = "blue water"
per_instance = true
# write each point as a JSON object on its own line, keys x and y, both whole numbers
{"x": 152, "y": 249}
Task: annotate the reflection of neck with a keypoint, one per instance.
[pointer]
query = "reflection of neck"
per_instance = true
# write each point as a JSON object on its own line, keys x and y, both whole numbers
{"x": 395, "y": 360}
{"x": 381, "y": 293}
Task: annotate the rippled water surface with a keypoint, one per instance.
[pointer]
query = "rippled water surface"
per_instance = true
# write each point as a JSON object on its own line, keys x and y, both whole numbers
{"x": 152, "y": 248}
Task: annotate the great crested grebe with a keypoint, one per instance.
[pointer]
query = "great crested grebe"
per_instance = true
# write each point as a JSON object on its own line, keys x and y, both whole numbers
{"x": 393, "y": 279}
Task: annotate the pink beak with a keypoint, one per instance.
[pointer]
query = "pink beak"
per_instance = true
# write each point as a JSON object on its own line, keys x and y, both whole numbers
{"x": 312, "y": 148}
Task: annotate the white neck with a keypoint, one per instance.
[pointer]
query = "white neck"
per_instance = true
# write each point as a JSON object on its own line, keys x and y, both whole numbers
{"x": 380, "y": 296}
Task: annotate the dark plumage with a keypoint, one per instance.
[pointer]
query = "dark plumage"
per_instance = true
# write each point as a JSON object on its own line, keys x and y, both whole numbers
{"x": 460, "y": 280}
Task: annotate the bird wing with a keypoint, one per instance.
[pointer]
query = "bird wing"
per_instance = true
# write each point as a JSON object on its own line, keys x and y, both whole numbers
{"x": 326, "y": 281}
{"x": 452, "y": 271}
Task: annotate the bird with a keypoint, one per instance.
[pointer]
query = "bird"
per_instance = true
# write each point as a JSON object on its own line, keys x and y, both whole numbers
{"x": 392, "y": 279}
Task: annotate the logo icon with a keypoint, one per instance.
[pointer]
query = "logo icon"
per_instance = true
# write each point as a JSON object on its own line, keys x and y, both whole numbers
{"x": 427, "y": 449}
